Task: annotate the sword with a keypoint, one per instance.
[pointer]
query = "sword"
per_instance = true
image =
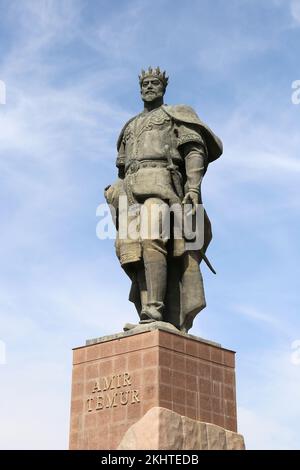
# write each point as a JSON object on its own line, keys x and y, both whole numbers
{"x": 208, "y": 264}
{"x": 177, "y": 185}
{"x": 173, "y": 170}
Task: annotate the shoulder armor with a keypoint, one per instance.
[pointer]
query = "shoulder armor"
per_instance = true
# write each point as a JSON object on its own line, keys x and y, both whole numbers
{"x": 186, "y": 114}
{"x": 119, "y": 141}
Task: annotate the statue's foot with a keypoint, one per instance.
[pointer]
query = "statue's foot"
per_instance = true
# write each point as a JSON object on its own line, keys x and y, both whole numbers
{"x": 148, "y": 325}
{"x": 149, "y": 320}
{"x": 152, "y": 312}
{"x": 129, "y": 326}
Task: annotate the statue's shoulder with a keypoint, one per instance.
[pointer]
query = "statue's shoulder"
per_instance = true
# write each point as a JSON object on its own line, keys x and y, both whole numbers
{"x": 119, "y": 141}
{"x": 182, "y": 112}
{"x": 186, "y": 114}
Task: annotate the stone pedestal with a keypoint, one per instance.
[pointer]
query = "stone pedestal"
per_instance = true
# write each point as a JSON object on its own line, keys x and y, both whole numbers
{"x": 118, "y": 379}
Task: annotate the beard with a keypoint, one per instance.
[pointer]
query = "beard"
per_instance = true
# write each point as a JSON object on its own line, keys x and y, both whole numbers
{"x": 152, "y": 96}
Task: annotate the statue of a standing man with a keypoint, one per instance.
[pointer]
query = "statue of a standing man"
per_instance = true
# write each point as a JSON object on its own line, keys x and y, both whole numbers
{"x": 163, "y": 154}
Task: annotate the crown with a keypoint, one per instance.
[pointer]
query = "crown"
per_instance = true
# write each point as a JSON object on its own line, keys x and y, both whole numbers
{"x": 154, "y": 73}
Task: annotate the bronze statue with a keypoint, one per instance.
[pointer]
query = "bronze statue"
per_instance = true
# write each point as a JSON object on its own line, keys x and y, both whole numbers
{"x": 163, "y": 154}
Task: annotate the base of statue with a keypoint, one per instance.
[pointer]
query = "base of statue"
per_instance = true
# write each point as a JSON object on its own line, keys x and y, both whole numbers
{"x": 153, "y": 387}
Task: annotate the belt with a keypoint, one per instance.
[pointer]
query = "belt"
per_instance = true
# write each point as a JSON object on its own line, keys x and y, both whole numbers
{"x": 134, "y": 165}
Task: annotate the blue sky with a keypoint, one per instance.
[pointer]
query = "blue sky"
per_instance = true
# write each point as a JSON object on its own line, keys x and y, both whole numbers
{"x": 70, "y": 69}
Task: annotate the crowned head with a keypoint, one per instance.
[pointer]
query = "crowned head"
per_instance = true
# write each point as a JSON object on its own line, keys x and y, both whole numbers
{"x": 154, "y": 73}
{"x": 153, "y": 83}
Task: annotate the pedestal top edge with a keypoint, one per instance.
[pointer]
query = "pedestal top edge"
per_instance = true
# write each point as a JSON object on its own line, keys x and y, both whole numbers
{"x": 149, "y": 328}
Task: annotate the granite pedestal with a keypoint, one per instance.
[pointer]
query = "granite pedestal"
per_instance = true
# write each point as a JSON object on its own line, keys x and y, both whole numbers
{"x": 117, "y": 379}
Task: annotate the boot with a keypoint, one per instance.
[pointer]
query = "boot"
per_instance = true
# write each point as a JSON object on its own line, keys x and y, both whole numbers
{"x": 141, "y": 279}
{"x": 156, "y": 280}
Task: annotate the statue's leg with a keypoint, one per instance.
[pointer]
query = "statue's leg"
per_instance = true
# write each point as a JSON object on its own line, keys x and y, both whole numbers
{"x": 156, "y": 280}
{"x": 141, "y": 279}
{"x": 155, "y": 262}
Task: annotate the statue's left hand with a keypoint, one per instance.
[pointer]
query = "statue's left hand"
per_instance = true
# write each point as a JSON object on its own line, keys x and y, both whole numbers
{"x": 192, "y": 198}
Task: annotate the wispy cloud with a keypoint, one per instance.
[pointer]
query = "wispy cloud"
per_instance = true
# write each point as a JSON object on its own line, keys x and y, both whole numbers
{"x": 263, "y": 432}
{"x": 269, "y": 403}
{"x": 45, "y": 403}
{"x": 119, "y": 32}
{"x": 265, "y": 319}
{"x": 295, "y": 10}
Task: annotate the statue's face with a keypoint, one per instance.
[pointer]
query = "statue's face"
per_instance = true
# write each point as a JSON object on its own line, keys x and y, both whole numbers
{"x": 151, "y": 89}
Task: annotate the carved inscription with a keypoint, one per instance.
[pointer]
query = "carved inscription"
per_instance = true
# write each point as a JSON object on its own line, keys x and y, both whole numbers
{"x": 112, "y": 391}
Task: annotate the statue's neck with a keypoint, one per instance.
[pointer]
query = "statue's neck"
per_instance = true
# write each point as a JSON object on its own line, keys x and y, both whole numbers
{"x": 153, "y": 104}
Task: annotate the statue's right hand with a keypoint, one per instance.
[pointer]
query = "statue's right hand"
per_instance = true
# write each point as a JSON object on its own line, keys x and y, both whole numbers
{"x": 191, "y": 198}
{"x": 112, "y": 192}
{"x": 106, "y": 191}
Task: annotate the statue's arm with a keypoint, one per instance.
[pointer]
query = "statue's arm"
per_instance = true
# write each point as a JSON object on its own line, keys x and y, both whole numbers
{"x": 114, "y": 191}
{"x": 195, "y": 169}
{"x": 120, "y": 162}
{"x": 193, "y": 151}
{"x": 195, "y": 161}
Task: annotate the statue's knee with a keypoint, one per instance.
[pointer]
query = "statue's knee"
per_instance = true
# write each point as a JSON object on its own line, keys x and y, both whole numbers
{"x": 155, "y": 223}
{"x": 150, "y": 246}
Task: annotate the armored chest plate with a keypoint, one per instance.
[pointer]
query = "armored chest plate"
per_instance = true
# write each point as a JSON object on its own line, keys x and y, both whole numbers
{"x": 147, "y": 135}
